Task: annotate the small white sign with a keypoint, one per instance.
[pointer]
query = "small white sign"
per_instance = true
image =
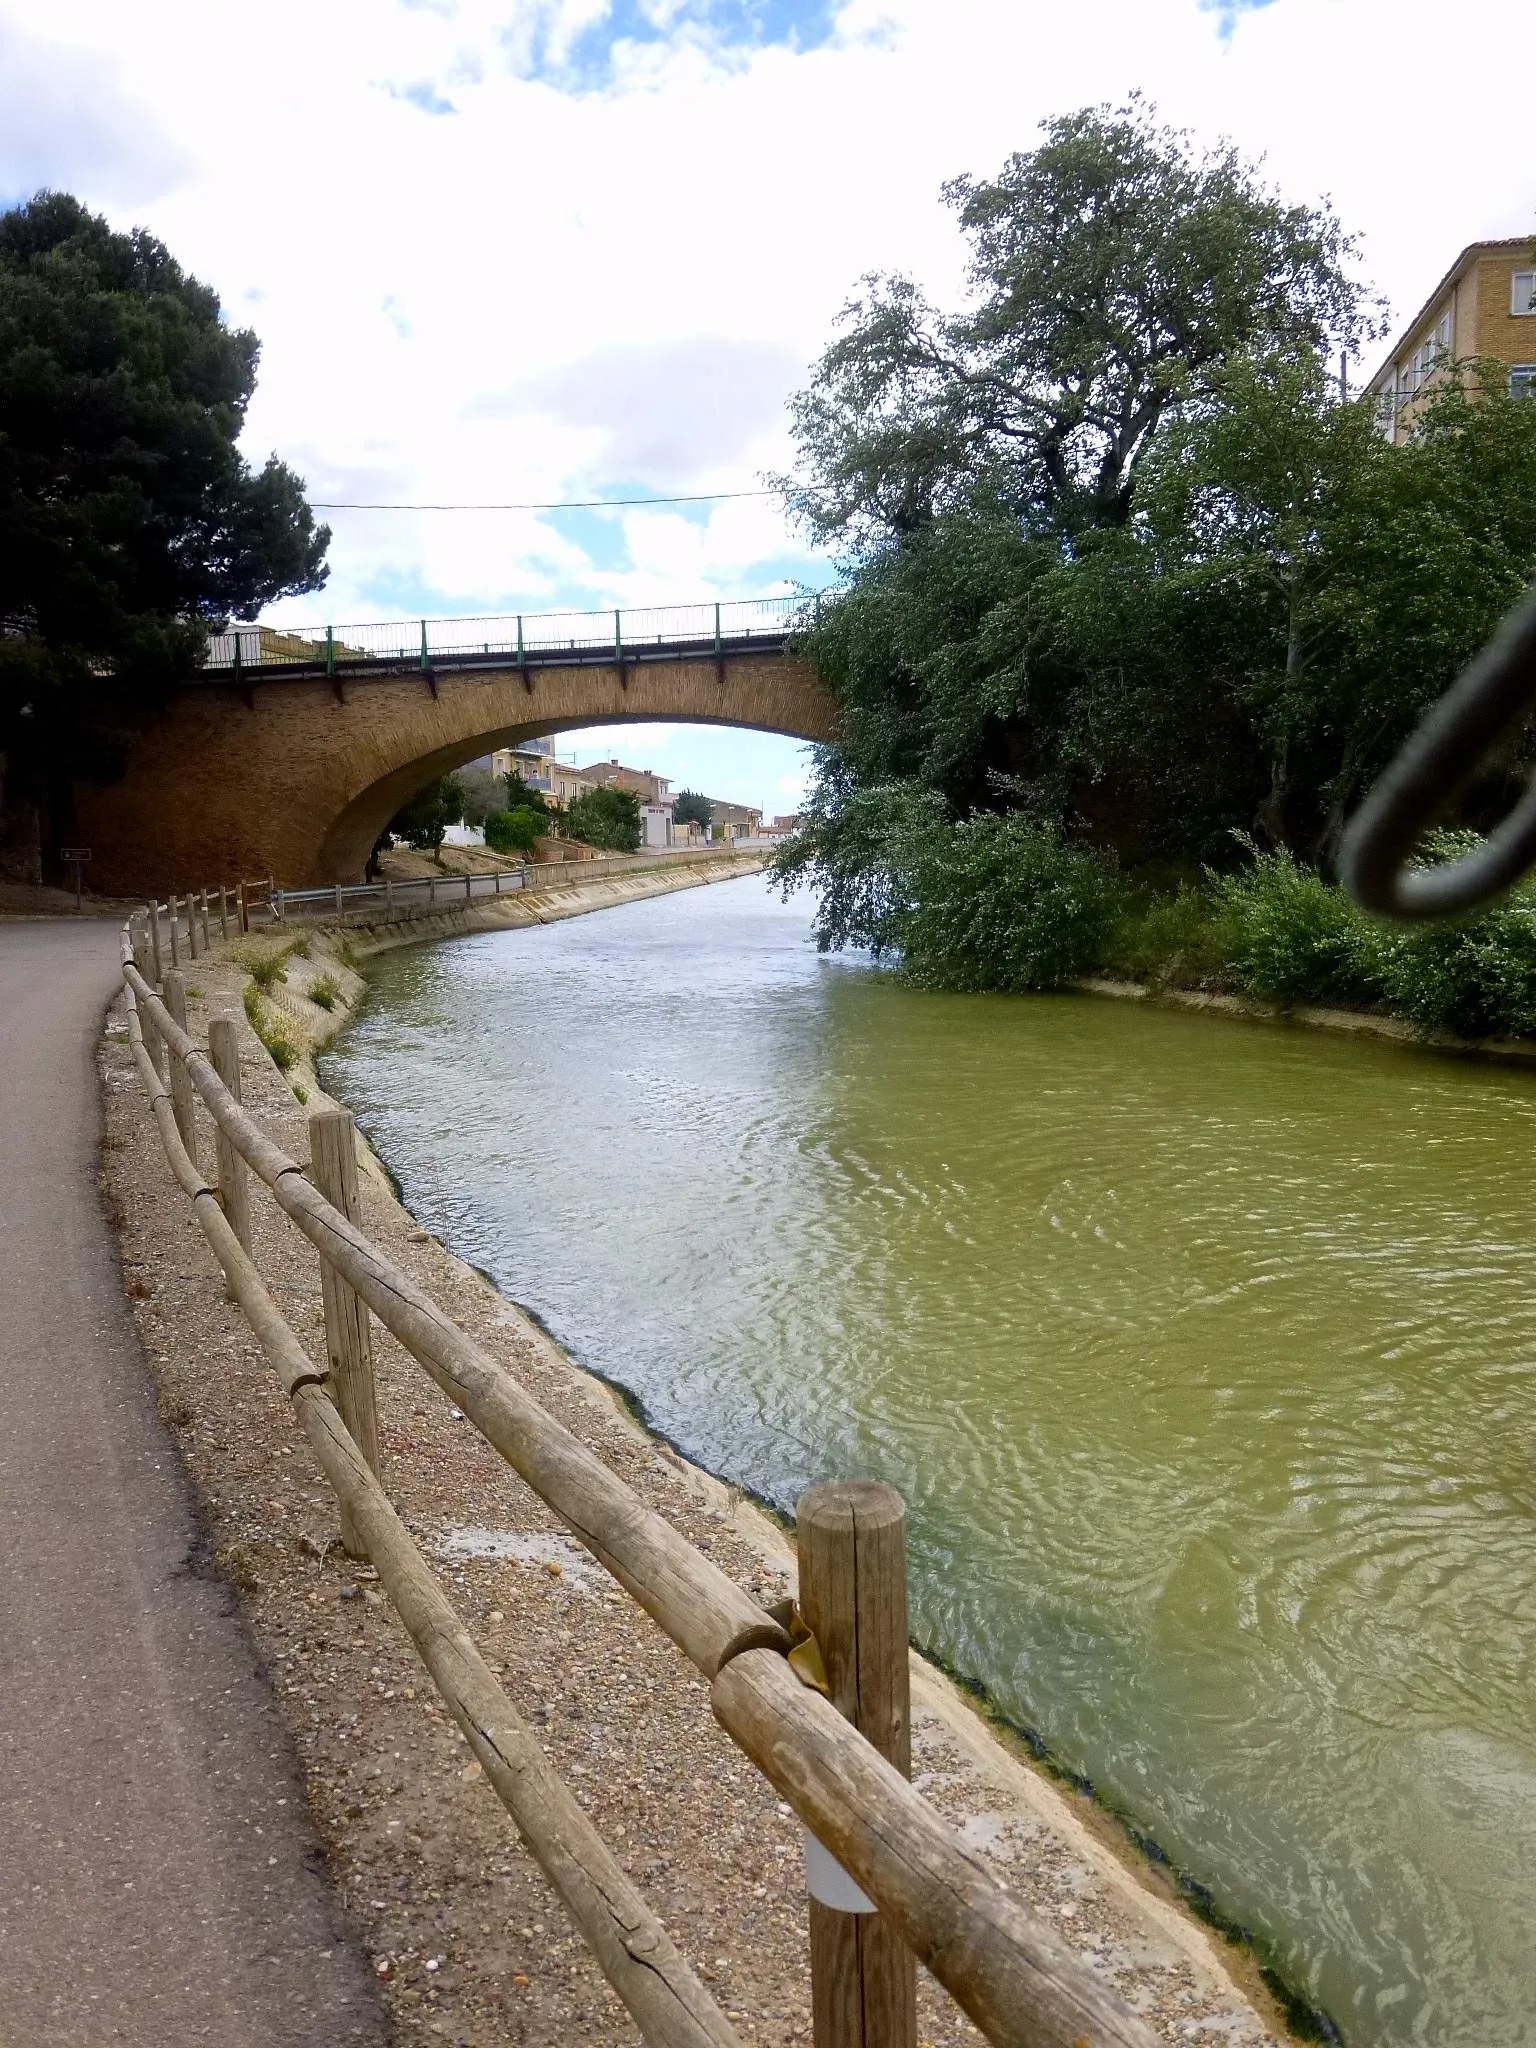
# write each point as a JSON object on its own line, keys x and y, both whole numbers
{"x": 828, "y": 1882}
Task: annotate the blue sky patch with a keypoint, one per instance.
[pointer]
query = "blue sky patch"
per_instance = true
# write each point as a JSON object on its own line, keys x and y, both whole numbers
{"x": 1227, "y": 12}
{"x": 425, "y": 95}
{"x": 723, "y": 25}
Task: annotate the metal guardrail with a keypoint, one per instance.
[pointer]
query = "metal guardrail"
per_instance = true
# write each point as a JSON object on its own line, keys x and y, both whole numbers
{"x": 516, "y": 640}
{"x": 443, "y": 892}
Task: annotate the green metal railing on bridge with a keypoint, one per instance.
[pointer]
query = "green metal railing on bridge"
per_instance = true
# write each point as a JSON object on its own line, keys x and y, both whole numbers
{"x": 515, "y": 640}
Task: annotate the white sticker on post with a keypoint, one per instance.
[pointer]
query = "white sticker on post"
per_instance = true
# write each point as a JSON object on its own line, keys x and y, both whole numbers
{"x": 828, "y": 1882}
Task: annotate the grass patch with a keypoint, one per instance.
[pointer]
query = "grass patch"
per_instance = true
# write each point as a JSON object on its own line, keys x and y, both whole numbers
{"x": 324, "y": 990}
{"x": 281, "y": 1049}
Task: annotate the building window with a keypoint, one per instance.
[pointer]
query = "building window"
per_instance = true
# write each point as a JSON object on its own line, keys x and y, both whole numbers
{"x": 1435, "y": 348}
{"x": 1522, "y": 380}
{"x": 1522, "y": 292}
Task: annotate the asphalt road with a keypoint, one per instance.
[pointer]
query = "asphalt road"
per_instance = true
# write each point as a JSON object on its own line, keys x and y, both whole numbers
{"x": 159, "y": 1883}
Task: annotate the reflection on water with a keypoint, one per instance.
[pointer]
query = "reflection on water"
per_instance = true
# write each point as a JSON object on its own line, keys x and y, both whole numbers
{"x": 1202, "y": 1352}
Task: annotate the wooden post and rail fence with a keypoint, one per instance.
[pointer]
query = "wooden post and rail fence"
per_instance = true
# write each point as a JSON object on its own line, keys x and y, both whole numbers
{"x": 816, "y": 1695}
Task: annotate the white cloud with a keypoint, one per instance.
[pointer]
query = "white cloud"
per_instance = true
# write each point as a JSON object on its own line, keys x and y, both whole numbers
{"x": 573, "y": 283}
{"x": 66, "y": 122}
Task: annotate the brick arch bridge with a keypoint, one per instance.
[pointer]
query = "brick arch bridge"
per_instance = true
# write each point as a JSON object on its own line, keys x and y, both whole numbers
{"x": 292, "y": 753}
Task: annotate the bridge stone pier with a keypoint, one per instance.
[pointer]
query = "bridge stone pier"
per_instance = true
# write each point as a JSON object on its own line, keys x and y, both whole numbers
{"x": 295, "y": 775}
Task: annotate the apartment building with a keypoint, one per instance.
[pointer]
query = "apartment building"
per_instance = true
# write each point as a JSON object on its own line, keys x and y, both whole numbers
{"x": 1485, "y": 305}
{"x": 640, "y": 782}
{"x": 532, "y": 760}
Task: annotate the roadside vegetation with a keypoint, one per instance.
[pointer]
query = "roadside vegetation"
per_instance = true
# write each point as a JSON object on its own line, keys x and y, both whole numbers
{"x": 1137, "y": 602}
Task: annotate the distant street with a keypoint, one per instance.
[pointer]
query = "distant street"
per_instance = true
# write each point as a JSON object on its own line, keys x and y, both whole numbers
{"x": 157, "y": 1881}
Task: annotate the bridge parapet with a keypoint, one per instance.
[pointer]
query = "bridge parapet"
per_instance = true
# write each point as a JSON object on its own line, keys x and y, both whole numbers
{"x": 519, "y": 640}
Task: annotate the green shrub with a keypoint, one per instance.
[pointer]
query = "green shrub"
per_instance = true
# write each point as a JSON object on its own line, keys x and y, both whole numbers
{"x": 267, "y": 969}
{"x": 1295, "y": 937}
{"x": 515, "y": 831}
{"x": 1184, "y": 939}
{"x": 609, "y": 818}
{"x": 301, "y": 1093}
{"x": 1004, "y": 903}
{"x": 1475, "y": 976}
{"x": 324, "y": 990}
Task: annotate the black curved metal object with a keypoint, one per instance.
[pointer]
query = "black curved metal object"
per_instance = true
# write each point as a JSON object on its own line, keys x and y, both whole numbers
{"x": 1487, "y": 700}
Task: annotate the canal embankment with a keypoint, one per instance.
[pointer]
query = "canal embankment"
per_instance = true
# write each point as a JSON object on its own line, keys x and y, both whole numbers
{"x": 462, "y": 1932}
{"x": 1255, "y": 1009}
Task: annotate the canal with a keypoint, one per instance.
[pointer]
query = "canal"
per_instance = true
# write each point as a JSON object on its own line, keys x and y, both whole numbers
{"x": 1202, "y": 1351}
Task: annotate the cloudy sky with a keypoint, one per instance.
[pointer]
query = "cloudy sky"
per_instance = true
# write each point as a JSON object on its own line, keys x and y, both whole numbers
{"x": 552, "y": 249}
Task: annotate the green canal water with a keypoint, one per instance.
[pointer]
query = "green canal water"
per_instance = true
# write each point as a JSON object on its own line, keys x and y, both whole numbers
{"x": 1202, "y": 1351}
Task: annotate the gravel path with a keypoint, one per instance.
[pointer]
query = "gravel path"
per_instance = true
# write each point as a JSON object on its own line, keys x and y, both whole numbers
{"x": 155, "y": 1887}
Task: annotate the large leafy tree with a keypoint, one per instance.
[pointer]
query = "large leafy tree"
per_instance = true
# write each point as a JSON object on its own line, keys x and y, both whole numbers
{"x": 1119, "y": 553}
{"x": 1113, "y": 271}
{"x": 1294, "y": 592}
{"x": 692, "y": 809}
{"x": 130, "y": 524}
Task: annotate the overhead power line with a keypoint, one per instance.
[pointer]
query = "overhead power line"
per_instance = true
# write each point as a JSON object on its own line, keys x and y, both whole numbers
{"x": 551, "y": 505}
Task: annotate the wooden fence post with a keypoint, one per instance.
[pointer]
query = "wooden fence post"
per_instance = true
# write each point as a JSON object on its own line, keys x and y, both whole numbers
{"x": 348, "y": 1334}
{"x": 182, "y": 1098}
{"x": 223, "y": 911}
{"x": 851, "y": 1538}
{"x": 170, "y": 906}
{"x": 234, "y": 1186}
{"x": 202, "y": 911}
{"x": 153, "y": 1043}
{"x": 154, "y": 941}
{"x": 193, "y": 948}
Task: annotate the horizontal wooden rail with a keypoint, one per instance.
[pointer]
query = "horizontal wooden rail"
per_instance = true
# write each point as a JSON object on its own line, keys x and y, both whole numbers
{"x": 1021, "y": 1984}
{"x": 669, "y": 2004}
{"x": 1017, "y": 1979}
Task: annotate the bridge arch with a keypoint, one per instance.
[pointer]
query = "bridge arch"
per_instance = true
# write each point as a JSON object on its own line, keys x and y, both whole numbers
{"x": 295, "y": 776}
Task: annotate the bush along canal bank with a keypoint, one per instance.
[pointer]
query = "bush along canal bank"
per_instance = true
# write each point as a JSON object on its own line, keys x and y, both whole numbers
{"x": 463, "y": 1934}
{"x": 1007, "y": 905}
